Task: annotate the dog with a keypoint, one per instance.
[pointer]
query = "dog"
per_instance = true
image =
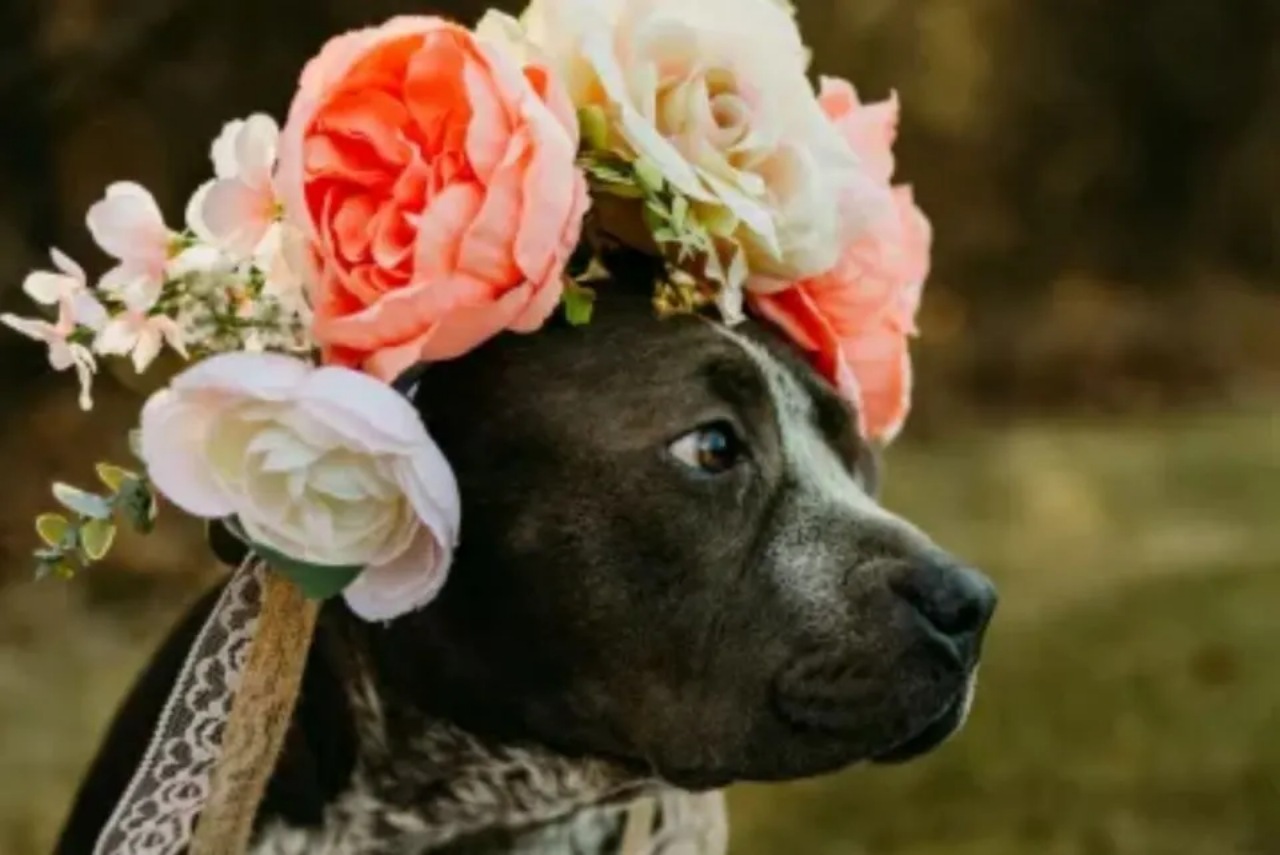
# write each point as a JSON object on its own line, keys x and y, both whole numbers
{"x": 673, "y": 576}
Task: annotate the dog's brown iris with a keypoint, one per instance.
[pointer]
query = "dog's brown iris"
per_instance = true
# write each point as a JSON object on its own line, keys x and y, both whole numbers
{"x": 711, "y": 449}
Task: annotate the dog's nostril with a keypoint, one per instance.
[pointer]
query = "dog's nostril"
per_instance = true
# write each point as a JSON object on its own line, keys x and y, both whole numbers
{"x": 957, "y": 601}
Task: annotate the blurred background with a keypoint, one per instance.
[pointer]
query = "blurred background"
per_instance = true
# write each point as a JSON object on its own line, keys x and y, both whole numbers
{"x": 1096, "y": 419}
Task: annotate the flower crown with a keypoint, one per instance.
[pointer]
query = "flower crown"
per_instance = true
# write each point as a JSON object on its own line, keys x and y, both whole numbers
{"x": 433, "y": 187}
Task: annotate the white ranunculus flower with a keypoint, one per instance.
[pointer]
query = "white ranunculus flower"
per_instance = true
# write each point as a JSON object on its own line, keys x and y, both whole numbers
{"x": 714, "y": 94}
{"x": 327, "y": 466}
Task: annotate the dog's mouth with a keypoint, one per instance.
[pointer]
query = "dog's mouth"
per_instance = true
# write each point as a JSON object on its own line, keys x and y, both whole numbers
{"x": 936, "y": 732}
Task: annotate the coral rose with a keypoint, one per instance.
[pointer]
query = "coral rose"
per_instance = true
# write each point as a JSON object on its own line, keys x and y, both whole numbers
{"x": 434, "y": 179}
{"x": 855, "y": 320}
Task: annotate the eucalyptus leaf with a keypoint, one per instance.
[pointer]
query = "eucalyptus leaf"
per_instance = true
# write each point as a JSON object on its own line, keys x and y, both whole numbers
{"x": 113, "y": 476}
{"x": 137, "y": 504}
{"x": 82, "y": 503}
{"x": 97, "y": 536}
{"x": 53, "y": 529}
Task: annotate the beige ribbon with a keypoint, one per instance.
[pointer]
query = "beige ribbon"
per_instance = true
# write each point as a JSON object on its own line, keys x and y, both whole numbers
{"x": 259, "y": 720}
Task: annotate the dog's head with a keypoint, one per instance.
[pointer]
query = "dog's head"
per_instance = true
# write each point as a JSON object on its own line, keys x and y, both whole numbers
{"x": 672, "y": 557}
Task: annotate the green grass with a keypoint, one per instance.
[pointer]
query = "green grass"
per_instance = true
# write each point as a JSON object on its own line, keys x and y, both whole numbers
{"x": 1130, "y": 704}
{"x": 1141, "y": 725}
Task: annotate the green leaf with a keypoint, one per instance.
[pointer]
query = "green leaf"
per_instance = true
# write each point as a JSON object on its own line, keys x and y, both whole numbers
{"x": 96, "y": 536}
{"x": 679, "y": 212}
{"x": 613, "y": 178}
{"x": 137, "y": 503}
{"x": 649, "y": 176}
{"x": 595, "y": 128}
{"x": 621, "y": 191}
{"x": 84, "y": 504}
{"x": 317, "y": 581}
{"x": 52, "y": 529}
{"x": 579, "y": 304}
{"x": 608, "y": 169}
{"x": 655, "y": 216}
{"x": 58, "y": 567}
{"x": 113, "y": 476}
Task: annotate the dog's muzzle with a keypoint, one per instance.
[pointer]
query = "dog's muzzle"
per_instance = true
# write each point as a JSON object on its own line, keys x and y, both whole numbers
{"x": 915, "y": 686}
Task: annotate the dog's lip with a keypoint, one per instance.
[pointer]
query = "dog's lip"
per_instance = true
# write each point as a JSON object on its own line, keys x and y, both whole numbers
{"x": 933, "y": 734}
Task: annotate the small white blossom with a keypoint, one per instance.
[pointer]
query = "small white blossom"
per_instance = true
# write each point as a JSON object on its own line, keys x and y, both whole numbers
{"x": 141, "y": 337}
{"x": 238, "y": 209}
{"x": 129, "y": 227}
{"x": 69, "y": 284}
{"x": 63, "y": 352}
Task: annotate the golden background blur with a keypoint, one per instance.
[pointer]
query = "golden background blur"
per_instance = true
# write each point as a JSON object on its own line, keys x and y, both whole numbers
{"x": 1096, "y": 419}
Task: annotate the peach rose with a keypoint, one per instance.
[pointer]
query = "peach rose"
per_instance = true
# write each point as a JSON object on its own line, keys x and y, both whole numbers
{"x": 715, "y": 96}
{"x": 855, "y": 320}
{"x": 434, "y": 179}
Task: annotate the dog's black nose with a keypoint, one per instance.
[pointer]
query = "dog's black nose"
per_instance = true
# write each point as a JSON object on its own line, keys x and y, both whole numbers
{"x": 956, "y": 601}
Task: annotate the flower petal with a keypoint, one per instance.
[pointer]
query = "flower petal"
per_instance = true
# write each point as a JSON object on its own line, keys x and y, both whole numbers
{"x": 128, "y": 225}
{"x": 402, "y": 585}
{"x": 264, "y": 376}
{"x": 368, "y": 414}
{"x": 236, "y": 215}
{"x": 429, "y": 483}
{"x": 223, "y": 151}
{"x": 47, "y": 288}
{"x": 32, "y": 329}
{"x": 174, "y": 436}
{"x": 255, "y": 150}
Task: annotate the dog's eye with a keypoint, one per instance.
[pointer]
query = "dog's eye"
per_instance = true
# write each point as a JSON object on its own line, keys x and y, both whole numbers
{"x": 711, "y": 449}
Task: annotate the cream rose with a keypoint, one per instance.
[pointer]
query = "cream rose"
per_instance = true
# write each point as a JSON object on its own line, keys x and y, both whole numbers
{"x": 714, "y": 94}
{"x": 328, "y": 467}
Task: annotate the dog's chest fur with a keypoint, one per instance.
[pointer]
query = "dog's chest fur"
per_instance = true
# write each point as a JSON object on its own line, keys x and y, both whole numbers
{"x": 424, "y": 786}
{"x": 670, "y": 823}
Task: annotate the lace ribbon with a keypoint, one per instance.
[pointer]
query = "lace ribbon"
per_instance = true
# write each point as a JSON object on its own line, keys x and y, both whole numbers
{"x": 158, "y": 811}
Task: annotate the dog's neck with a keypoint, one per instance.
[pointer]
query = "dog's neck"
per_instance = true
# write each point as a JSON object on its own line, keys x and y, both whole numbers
{"x": 446, "y": 784}
{"x": 421, "y": 784}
